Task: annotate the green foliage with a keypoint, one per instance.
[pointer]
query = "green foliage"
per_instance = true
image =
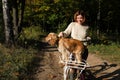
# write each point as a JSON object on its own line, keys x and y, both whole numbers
{"x": 55, "y": 15}
{"x": 31, "y": 36}
{"x": 14, "y": 62}
{"x": 62, "y": 27}
{"x": 32, "y": 32}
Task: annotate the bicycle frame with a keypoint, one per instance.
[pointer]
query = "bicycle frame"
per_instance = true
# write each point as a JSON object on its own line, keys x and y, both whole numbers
{"x": 70, "y": 64}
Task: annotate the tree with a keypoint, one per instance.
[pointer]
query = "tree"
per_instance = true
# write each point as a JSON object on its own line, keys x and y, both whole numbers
{"x": 13, "y": 18}
{"x": 7, "y": 23}
{"x": 17, "y": 16}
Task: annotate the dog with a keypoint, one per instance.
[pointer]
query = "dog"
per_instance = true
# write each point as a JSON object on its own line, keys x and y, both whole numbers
{"x": 66, "y": 46}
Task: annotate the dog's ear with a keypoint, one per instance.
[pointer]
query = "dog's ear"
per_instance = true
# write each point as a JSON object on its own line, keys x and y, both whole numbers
{"x": 51, "y": 38}
{"x": 48, "y": 39}
{"x": 53, "y": 35}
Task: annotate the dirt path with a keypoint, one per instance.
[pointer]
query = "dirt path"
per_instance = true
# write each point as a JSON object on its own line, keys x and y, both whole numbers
{"x": 102, "y": 69}
{"x": 49, "y": 69}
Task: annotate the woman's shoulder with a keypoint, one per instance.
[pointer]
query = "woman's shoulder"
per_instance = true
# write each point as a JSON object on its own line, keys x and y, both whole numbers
{"x": 73, "y": 23}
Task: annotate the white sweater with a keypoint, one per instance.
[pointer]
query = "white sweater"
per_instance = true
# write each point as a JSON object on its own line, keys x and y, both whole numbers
{"x": 76, "y": 31}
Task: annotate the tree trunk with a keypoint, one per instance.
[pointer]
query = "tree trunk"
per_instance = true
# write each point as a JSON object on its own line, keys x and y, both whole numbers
{"x": 22, "y": 6}
{"x": 7, "y": 22}
{"x": 15, "y": 17}
{"x": 12, "y": 29}
{"x": 98, "y": 18}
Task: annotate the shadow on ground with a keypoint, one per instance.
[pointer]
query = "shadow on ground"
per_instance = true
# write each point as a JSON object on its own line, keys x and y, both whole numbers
{"x": 90, "y": 73}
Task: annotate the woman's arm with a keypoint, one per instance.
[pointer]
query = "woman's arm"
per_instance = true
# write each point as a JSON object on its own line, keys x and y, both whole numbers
{"x": 67, "y": 31}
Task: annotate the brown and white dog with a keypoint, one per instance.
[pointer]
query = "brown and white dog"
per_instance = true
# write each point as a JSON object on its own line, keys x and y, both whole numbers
{"x": 67, "y": 46}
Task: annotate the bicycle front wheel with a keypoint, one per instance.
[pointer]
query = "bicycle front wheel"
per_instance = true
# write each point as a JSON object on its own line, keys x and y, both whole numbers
{"x": 69, "y": 74}
{"x": 80, "y": 76}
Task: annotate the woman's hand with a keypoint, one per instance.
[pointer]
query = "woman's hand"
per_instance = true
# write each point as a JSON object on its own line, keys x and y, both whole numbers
{"x": 61, "y": 34}
{"x": 88, "y": 38}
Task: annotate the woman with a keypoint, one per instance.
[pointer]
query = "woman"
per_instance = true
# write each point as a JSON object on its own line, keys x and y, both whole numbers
{"x": 77, "y": 30}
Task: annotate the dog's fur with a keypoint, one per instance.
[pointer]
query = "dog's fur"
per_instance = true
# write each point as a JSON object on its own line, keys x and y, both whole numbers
{"x": 67, "y": 46}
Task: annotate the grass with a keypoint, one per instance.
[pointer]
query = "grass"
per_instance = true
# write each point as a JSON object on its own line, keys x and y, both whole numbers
{"x": 109, "y": 52}
{"x": 14, "y": 62}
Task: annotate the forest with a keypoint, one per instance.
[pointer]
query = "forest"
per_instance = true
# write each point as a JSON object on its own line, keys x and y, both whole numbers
{"x": 24, "y": 24}
{"x": 44, "y": 16}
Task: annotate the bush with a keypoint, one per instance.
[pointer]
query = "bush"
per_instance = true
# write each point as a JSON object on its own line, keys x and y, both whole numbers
{"x": 62, "y": 27}
{"x": 31, "y": 36}
{"x": 32, "y": 32}
{"x": 14, "y": 62}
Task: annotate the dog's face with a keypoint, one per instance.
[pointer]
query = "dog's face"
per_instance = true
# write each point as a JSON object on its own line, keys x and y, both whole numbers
{"x": 51, "y": 38}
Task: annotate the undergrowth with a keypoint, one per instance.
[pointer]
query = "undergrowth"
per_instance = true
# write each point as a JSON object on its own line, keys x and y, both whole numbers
{"x": 14, "y": 62}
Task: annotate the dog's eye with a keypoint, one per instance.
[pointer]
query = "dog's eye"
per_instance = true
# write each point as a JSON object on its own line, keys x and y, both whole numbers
{"x": 49, "y": 39}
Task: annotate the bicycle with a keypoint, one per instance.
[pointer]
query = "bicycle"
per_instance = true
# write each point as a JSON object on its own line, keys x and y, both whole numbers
{"x": 71, "y": 64}
{"x": 77, "y": 67}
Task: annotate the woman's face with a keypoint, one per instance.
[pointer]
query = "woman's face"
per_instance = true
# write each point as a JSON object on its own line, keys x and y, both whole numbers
{"x": 80, "y": 19}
